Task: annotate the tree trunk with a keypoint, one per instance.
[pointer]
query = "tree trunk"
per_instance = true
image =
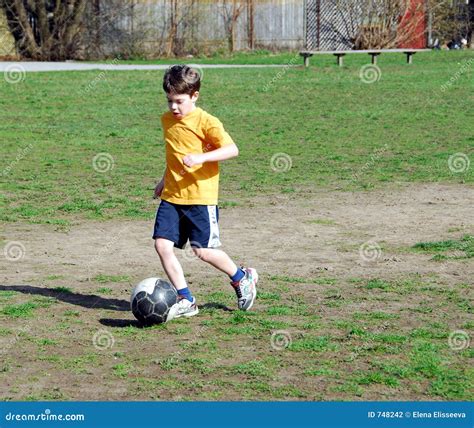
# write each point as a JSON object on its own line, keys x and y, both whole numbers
{"x": 45, "y": 30}
{"x": 250, "y": 24}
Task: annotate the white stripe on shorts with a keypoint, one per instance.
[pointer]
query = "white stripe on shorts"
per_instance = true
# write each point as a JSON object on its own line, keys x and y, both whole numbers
{"x": 214, "y": 228}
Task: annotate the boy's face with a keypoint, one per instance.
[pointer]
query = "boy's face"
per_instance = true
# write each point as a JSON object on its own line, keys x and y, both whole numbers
{"x": 181, "y": 104}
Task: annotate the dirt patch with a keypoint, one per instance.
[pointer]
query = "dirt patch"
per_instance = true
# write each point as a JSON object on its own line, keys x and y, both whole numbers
{"x": 315, "y": 235}
{"x": 279, "y": 234}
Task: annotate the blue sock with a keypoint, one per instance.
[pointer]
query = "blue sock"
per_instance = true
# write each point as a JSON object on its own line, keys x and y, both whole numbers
{"x": 186, "y": 294}
{"x": 238, "y": 275}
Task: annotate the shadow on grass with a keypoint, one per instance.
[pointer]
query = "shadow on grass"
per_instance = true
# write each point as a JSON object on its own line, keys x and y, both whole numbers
{"x": 119, "y": 323}
{"x": 122, "y": 323}
{"x": 212, "y": 306}
{"x": 89, "y": 301}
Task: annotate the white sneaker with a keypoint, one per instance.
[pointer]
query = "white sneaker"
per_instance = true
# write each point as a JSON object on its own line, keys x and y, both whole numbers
{"x": 246, "y": 289}
{"x": 184, "y": 308}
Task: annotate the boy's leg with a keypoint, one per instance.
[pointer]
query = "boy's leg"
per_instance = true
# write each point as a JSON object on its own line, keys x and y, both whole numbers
{"x": 245, "y": 284}
{"x": 217, "y": 258}
{"x": 170, "y": 262}
{"x": 186, "y": 307}
{"x": 204, "y": 238}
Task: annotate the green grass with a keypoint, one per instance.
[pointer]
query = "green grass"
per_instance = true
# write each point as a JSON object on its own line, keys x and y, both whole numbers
{"x": 401, "y": 286}
{"x": 110, "y": 278}
{"x": 280, "y": 310}
{"x": 122, "y": 370}
{"x": 25, "y": 310}
{"x": 311, "y": 343}
{"x": 376, "y": 316}
{"x": 451, "y": 249}
{"x": 71, "y": 313}
{"x": 339, "y": 354}
{"x": 43, "y": 117}
{"x": 80, "y": 364}
{"x": 376, "y": 377}
{"x": 104, "y": 290}
{"x": 299, "y": 280}
{"x": 46, "y": 342}
{"x": 265, "y": 295}
{"x": 323, "y": 371}
{"x": 375, "y": 333}
{"x": 378, "y": 284}
{"x": 260, "y": 56}
{"x": 445, "y": 381}
{"x": 5, "y": 295}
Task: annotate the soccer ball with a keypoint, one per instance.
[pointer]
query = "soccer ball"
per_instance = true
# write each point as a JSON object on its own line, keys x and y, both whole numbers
{"x": 152, "y": 299}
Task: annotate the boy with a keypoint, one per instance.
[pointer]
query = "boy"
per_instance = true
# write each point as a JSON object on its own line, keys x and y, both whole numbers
{"x": 195, "y": 143}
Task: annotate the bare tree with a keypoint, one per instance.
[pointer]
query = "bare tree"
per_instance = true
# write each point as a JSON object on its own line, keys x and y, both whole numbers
{"x": 45, "y": 29}
{"x": 377, "y": 24}
{"x": 450, "y": 19}
{"x": 181, "y": 22}
{"x": 231, "y": 11}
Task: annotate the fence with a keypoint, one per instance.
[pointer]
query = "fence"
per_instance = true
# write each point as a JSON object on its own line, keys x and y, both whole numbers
{"x": 357, "y": 24}
{"x": 165, "y": 27}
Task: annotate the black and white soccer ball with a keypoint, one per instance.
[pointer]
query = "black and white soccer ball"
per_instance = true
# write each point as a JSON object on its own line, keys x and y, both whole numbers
{"x": 152, "y": 300}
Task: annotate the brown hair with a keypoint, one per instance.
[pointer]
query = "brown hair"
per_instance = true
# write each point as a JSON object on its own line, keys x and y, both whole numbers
{"x": 181, "y": 79}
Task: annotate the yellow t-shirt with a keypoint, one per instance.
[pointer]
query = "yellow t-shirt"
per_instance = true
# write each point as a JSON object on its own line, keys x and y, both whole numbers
{"x": 197, "y": 132}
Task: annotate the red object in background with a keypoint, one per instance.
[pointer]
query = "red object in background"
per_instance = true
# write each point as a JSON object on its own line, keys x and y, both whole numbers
{"x": 412, "y": 26}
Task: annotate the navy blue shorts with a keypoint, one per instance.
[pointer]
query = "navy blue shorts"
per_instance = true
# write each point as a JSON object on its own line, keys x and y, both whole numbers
{"x": 180, "y": 223}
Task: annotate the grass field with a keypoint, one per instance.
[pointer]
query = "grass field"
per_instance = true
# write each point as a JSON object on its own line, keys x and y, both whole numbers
{"x": 327, "y": 120}
{"x": 327, "y": 163}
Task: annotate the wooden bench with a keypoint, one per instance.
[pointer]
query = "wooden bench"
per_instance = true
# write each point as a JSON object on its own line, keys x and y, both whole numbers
{"x": 374, "y": 53}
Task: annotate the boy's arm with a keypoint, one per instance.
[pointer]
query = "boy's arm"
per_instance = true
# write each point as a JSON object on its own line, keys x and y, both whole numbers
{"x": 161, "y": 184}
{"x": 222, "y": 153}
{"x": 159, "y": 188}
